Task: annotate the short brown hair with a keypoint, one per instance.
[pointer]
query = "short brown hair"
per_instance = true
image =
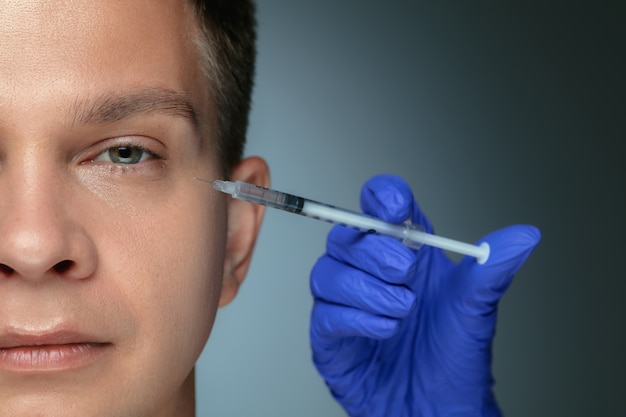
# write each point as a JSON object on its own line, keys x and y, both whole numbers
{"x": 228, "y": 51}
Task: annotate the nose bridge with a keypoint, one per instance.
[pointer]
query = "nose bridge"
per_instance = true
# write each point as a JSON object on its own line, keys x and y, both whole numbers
{"x": 38, "y": 237}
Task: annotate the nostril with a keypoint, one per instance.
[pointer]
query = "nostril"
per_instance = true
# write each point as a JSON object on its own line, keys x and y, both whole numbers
{"x": 63, "y": 266}
{"x": 5, "y": 269}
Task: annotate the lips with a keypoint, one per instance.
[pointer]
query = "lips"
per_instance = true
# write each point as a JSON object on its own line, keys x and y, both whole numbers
{"x": 13, "y": 340}
{"x": 56, "y": 351}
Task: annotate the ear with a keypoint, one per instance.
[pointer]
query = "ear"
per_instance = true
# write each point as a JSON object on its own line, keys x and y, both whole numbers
{"x": 244, "y": 223}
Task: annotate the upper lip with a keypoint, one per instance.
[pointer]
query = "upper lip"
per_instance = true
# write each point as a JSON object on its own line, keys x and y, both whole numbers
{"x": 61, "y": 337}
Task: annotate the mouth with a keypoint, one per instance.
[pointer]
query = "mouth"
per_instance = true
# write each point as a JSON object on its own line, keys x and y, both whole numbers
{"x": 49, "y": 352}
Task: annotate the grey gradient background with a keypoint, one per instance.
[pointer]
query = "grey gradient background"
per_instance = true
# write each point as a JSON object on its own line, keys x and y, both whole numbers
{"x": 495, "y": 114}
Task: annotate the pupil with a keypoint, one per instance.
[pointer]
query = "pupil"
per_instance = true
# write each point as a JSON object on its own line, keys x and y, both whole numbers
{"x": 124, "y": 152}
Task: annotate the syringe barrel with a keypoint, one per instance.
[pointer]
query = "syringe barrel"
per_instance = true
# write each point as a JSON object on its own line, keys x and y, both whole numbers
{"x": 411, "y": 235}
{"x": 267, "y": 197}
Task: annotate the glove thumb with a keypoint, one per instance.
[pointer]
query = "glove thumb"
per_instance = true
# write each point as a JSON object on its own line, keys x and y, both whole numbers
{"x": 482, "y": 285}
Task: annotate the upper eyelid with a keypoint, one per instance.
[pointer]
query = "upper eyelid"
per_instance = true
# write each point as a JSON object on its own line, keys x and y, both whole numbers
{"x": 138, "y": 141}
{"x": 121, "y": 145}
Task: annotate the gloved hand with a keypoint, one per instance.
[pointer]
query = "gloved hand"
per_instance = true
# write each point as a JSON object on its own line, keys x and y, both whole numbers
{"x": 398, "y": 332}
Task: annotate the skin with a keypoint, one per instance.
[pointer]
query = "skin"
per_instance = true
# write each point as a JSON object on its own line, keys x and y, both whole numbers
{"x": 134, "y": 253}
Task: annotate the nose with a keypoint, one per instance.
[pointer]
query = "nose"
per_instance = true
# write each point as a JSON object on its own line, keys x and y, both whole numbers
{"x": 39, "y": 238}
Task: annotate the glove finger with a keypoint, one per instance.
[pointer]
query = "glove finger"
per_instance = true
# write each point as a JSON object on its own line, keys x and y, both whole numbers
{"x": 482, "y": 286}
{"x": 338, "y": 283}
{"x": 340, "y": 355}
{"x": 383, "y": 257}
{"x": 331, "y": 323}
{"x": 390, "y": 198}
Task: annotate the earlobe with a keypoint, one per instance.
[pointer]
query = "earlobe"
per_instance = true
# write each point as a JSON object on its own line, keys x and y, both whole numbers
{"x": 244, "y": 223}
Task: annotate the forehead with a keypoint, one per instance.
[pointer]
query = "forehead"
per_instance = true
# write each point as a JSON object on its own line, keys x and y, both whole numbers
{"x": 82, "y": 47}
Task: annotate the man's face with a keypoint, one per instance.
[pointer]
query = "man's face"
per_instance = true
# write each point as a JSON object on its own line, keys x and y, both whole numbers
{"x": 111, "y": 254}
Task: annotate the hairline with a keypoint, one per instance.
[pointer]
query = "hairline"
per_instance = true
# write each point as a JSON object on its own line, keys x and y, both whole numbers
{"x": 227, "y": 62}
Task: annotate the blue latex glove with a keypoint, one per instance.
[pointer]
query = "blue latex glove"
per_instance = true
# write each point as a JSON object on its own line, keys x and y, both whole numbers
{"x": 397, "y": 332}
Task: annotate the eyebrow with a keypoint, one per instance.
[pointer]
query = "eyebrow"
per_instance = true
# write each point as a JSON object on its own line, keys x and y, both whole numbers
{"x": 114, "y": 107}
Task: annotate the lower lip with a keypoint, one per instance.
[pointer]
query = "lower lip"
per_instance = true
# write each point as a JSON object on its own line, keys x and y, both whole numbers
{"x": 46, "y": 358}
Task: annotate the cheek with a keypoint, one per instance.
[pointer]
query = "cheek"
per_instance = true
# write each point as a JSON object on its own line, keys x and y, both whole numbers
{"x": 177, "y": 257}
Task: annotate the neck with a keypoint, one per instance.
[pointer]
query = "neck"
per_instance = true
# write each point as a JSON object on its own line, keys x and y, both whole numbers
{"x": 183, "y": 403}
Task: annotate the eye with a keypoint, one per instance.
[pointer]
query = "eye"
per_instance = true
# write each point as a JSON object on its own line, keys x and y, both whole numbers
{"x": 125, "y": 155}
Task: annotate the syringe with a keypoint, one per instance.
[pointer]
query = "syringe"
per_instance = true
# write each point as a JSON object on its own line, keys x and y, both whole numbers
{"x": 412, "y": 235}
